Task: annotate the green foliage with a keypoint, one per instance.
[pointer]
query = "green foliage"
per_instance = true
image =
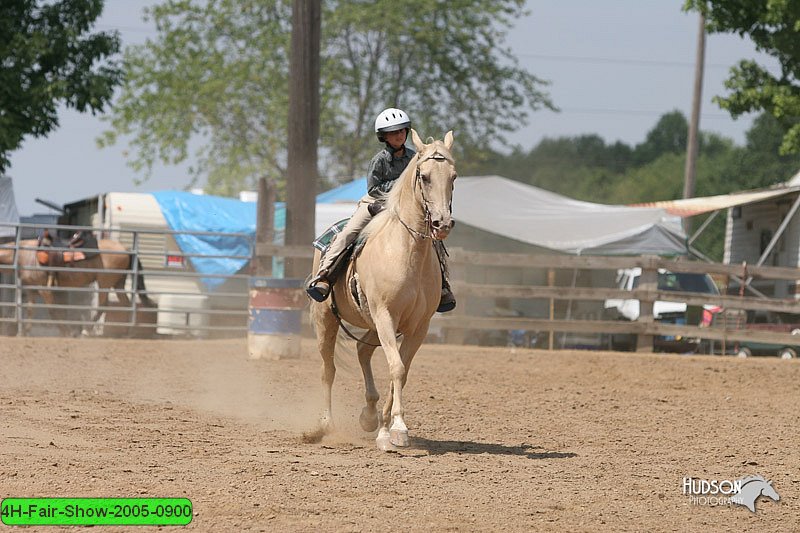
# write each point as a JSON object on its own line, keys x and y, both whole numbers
{"x": 216, "y": 76}
{"x": 581, "y": 167}
{"x": 774, "y": 27}
{"x": 216, "y": 73}
{"x": 49, "y": 58}
{"x": 667, "y": 137}
{"x": 659, "y": 179}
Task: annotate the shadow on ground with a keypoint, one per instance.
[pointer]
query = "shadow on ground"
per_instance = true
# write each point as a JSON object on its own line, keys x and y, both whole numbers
{"x": 441, "y": 447}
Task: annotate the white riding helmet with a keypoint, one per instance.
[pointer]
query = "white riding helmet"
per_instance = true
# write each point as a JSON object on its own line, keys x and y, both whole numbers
{"x": 391, "y": 119}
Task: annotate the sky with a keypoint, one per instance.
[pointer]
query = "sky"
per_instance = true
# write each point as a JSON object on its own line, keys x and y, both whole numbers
{"x": 614, "y": 67}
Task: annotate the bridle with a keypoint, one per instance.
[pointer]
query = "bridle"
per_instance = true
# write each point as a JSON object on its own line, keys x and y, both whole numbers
{"x": 425, "y": 204}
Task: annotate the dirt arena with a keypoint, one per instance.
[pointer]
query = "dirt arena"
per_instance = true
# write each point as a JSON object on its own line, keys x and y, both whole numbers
{"x": 502, "y": 440}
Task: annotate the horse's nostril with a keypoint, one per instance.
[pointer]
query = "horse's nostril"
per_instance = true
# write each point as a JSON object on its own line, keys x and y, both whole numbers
{"x": 436, "y": 223}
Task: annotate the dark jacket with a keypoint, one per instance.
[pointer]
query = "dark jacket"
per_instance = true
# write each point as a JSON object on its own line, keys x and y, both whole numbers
{"x": 384, "y": 169}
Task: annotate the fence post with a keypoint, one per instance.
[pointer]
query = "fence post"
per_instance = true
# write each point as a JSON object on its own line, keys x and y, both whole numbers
{"x": 135, "y": 284}
{"x": 551, "y": 282}
{"x": 649, "y": 283}
{"x": 275, "y": 306}
{"x": 18, "y": 285}
{"x": 265, "y": 226}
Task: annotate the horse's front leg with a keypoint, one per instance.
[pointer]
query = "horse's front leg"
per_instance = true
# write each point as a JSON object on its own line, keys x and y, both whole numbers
{"x": 407, "y": 350}
{"x": 397, "y": 434}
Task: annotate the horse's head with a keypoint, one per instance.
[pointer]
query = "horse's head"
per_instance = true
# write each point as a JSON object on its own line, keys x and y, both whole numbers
{"x": 435, "y": 174}
{"x": 769, "y": 491}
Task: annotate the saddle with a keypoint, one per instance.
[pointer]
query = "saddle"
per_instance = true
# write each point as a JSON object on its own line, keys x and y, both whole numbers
{"x": 60, "y": 258}
{"x": 323, "y": 242}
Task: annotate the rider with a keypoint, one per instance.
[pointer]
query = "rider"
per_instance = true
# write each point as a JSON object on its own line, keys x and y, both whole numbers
{"x": 391, "y": 127}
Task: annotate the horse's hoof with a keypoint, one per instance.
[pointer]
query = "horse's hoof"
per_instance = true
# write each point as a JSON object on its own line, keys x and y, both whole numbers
{"x": 399, "y": 437}
{"x": 325, "y": 427}
{"x": 314, "y": 436}
{"x": 368, "y": 419}
{"x": 384, "y": 441}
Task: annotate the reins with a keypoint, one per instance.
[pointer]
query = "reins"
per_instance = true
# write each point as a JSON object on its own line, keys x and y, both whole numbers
{"x": 335, "y": 311}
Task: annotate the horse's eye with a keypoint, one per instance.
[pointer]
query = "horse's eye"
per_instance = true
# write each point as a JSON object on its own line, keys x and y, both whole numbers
{"x": 425, "y": 177}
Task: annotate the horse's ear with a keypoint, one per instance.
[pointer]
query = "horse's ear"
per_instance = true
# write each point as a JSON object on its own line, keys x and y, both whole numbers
{"x": 418, "y": 144}
{"x": 448, "y": 139}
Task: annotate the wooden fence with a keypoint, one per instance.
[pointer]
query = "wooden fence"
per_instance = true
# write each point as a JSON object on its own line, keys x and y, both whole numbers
{"x": 646, "y": 327}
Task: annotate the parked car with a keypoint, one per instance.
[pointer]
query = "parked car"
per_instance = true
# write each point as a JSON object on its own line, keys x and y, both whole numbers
{"x": 663, "y": 311}
{"x": 784, "y": 351}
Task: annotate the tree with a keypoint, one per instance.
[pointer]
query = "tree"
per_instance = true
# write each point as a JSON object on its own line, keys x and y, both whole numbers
{"x": 758, "y": 163}
{"x": 49, "y": 58}
{"x": 668, "y": 136}
{"x": 773, "y": 27}
{"x": 217, "y": 75}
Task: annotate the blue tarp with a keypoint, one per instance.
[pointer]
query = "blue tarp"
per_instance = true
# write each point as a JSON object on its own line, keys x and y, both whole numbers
{"x": 349, "y": 192}
{"x": 185, "y": 211}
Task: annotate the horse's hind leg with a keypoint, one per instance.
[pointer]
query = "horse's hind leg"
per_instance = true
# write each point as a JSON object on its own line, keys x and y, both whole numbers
{"x": 29, "y": 297}
{"x": 58, "y": 315}
{"x": 326, "y": 329}
{"x": 369, "y": 414}
{"x": 119, "y": 290}
{"x": 105, "y": 284}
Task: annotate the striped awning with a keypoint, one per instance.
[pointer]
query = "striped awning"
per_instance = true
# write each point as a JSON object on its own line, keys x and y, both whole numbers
{"x": 696, "y": 206}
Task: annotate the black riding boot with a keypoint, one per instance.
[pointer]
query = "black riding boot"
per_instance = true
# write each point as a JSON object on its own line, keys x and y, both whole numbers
{"x": 447, "y": 301}
{"x": 319, "y": 288}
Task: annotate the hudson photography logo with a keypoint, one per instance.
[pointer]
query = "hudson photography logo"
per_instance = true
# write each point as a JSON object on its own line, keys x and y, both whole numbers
{"x": 715, "y": 492}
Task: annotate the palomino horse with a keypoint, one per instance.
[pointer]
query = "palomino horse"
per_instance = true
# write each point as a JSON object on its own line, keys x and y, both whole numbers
{"x": 398, "y": 284}
{"x": 112, "y": 256}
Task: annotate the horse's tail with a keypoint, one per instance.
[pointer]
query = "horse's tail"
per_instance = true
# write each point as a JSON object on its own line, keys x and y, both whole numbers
{"x": 139, "y": 288}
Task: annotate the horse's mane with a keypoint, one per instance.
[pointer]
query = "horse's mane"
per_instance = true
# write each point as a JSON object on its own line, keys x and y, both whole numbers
{"x": 394, "y": 197}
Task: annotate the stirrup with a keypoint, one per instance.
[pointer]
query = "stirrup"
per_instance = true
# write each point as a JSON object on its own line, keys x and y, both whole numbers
{"x": 447, "y": 302}
{"x": 319, "y": 288}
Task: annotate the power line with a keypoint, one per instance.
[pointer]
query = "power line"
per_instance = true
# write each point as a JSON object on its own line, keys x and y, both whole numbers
{"x": 619, "y": 61}
{"x": 547, "y": 57}
{"x": 634, "y": 112}
{"x": 125, "y": 28}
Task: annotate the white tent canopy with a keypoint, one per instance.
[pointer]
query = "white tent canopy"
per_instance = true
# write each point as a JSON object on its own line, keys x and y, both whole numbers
{"x": 8, "y": 208}
{"x": 542, "y": 218}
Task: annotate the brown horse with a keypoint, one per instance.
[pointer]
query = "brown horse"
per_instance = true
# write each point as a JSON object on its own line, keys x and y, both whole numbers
{"x": 113, "y": 256}
{"x": 397, "y": 284}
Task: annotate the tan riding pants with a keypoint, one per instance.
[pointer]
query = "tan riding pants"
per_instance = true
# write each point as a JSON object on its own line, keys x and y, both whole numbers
{"x": 349, "y": 233}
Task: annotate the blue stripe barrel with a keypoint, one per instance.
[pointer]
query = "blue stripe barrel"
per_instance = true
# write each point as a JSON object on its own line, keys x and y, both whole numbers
{"x": 275, "y": 322}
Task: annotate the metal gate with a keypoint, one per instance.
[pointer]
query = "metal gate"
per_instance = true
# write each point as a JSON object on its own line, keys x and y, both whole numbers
{"x": 190, "y": 298}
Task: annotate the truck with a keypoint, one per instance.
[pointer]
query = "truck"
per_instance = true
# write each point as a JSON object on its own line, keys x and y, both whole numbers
{"x": 663, "y": 311}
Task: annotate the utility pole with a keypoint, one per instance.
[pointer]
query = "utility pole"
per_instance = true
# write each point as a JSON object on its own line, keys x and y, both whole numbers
{"x": 692, "y": 144}
{"x": 303, "y": 130}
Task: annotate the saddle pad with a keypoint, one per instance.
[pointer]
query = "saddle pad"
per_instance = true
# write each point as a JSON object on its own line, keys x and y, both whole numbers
{"x": 323, "y": 241}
